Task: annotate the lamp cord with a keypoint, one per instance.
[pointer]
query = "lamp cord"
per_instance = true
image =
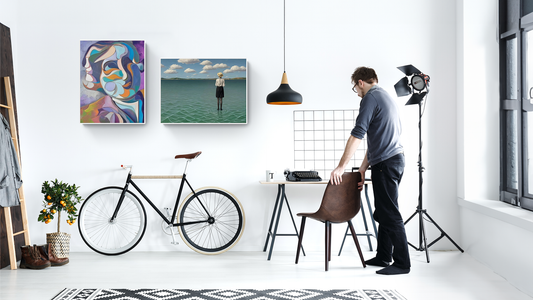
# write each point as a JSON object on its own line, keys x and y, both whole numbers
{"x": 283, "y": 36}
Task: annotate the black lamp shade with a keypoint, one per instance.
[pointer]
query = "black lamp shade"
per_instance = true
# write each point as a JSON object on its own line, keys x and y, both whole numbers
{"x": 402, "y": 87}
{"x": 416, "y": 98}
{"x": 409, "y": 70}
{"x": 284, "y": 95}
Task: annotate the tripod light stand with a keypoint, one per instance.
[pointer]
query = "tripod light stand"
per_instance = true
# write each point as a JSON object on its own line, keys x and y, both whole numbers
{"x": 418, "y": 86}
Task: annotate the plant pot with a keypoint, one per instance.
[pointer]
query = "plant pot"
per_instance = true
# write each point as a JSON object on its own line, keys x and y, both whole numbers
{"x": 59, "y": 243}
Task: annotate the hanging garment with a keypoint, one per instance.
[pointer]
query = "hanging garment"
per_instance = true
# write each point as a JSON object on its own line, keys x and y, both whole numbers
{"x": 10, "y": 179}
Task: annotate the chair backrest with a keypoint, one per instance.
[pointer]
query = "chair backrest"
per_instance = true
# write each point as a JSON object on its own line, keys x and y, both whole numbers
{"x": 342, "y": 202}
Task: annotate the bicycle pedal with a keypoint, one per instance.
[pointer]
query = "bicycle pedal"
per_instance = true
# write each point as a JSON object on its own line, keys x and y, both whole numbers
{"x": 175, "y": 243}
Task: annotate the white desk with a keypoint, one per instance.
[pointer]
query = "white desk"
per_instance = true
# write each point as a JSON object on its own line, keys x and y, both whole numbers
{"x": 282, "y": 197}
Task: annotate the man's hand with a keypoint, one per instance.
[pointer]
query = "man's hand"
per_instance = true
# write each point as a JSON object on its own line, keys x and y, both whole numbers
{"x": 361, "y": 183}
{"x": 336, "y": 176}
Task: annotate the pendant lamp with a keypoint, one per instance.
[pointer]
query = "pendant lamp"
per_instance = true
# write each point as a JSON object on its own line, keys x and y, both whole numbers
{"x": 284, "y": 95}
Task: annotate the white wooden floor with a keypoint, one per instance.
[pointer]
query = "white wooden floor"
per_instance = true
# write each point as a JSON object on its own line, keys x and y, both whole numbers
{"x": 449, "y": 275}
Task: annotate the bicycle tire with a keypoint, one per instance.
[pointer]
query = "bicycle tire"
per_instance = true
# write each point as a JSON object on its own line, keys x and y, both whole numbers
{"x": 114, "y": 238}
{"x": 226, "y": 228}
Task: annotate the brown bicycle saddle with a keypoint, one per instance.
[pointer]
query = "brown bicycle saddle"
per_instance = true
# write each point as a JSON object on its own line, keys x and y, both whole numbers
{"x": 189, "y": 156}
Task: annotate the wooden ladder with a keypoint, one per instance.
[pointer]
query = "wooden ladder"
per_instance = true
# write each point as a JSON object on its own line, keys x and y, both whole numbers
{"x": 7, "y": 210}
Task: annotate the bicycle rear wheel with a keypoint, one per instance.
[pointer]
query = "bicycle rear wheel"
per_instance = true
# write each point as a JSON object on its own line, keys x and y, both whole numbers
{"x": 215, "y": 235}
{"x": 116, "y": 237}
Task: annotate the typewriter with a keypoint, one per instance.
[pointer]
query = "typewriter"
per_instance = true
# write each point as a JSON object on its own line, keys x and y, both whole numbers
{"x": 302, "y": 176}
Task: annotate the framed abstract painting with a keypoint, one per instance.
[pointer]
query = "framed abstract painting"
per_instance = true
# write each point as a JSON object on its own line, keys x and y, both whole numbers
{"x": 204, "y": 91}
{"x": 112, "y": 83}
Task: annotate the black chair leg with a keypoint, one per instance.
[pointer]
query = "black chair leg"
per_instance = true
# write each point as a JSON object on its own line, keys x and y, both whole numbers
{"x": 327, "y": 243}
{"x": 300, "y": 238}
{"x": 357, "y": 243}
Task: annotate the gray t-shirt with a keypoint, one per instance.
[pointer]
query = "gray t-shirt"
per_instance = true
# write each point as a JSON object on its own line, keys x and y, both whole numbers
{"x": 380, "y": 118}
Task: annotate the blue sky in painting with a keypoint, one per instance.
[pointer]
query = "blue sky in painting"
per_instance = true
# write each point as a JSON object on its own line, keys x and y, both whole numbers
{"x": 202, "y": 68}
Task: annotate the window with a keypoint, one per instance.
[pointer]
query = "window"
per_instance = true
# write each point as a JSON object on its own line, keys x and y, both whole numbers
{"x": 516, "y": 102}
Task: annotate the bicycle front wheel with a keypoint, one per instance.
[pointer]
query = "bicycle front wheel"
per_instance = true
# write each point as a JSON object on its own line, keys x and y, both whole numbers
{"x": 221, "y": 220}
{"x": 112, "y": 237}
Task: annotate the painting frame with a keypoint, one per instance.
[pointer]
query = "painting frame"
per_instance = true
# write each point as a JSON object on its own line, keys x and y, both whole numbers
{"x": 112, "y": 82}
{"x": 190, "y": 95}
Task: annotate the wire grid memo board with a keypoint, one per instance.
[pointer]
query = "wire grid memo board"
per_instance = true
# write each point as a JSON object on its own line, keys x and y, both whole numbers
{"x": 320, "y": 137}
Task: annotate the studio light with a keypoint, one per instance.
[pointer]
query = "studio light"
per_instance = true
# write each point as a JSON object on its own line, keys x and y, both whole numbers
{"x": 284, "y": 95}
{"x": 414, "y": 82}
{"x": 417, "y": 84}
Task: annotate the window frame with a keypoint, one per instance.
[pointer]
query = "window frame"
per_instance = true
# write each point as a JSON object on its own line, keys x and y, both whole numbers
{"x": 515, "y": 26}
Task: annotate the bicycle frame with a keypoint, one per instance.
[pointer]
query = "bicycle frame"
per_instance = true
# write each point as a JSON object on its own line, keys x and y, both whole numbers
{"x": 184, "y": 180}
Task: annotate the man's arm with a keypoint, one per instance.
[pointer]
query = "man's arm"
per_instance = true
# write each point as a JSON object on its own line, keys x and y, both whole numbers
{"x": 362, "y": 169}
{"x": 351, "y": 146}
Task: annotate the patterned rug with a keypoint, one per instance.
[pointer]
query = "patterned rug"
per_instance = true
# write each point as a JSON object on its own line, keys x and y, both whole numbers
{"x": 175, "y": 294}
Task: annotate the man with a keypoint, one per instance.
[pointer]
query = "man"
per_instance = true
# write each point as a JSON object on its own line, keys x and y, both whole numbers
{"x": 379, "y": 119}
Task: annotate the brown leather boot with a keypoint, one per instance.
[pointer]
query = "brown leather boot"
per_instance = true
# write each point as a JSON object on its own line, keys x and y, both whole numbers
{"x": 31, "y": 258}
{"x": 46, "y": 253}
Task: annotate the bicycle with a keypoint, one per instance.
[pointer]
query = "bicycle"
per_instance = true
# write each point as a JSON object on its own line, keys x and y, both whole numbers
{"x": 112, "y": 220}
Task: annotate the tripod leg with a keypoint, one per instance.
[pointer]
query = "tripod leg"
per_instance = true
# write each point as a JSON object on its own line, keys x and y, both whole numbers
{"x": 442, "y": 232}
{"x": 423, "y": 233}
{"x": 404, "y": 223}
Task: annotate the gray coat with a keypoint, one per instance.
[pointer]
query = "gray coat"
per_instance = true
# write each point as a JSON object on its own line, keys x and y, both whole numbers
{"x": 10, "y": 179}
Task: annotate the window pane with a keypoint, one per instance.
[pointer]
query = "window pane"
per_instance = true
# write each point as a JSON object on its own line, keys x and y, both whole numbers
{"x": 511, "y": 150}
{"x": 529, "y": 145}
{"x": 512, "y": 67}
{"x": 527, "y": 7}
{"x": 529, "y": 64}
{"x": 512, "y": 15}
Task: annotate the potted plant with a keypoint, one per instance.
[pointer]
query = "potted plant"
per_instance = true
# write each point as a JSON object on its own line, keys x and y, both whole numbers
{"x": 59, "y": 197}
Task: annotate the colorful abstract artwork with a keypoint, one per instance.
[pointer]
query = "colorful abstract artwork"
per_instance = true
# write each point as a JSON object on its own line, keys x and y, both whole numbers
{"x": 112, "y": 82}
{"x": 204, "y": 91}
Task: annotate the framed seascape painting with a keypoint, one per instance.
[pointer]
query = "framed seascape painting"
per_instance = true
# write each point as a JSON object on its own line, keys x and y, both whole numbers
{"x": 112, "y": 82}
{"x": 204, "y": 91}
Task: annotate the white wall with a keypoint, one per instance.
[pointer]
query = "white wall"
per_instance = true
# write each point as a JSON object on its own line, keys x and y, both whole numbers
{"x": 325, "y": 42}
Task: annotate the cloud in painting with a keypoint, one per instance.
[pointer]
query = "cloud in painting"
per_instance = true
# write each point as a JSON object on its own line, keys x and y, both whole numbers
{"x": 220, "y": 66}
{"x": 175, "y": 67}
{"x": 188, "y": 61}
{"x": 235, "y": 69}
{"x": 189, "y": 70}
{"x": 169, "y": 71}
{"x": 206, "y": 62}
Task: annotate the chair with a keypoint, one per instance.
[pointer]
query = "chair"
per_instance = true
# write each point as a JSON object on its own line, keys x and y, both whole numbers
{"x": 340, "y": 204}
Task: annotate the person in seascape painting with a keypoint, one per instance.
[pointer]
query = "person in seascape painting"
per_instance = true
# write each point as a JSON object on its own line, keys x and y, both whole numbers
{"x": 114, "y": 89}
{"x": 220, "y": 83}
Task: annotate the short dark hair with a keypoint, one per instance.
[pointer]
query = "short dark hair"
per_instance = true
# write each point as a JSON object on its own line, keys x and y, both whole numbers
{"x": 365, "y": 74}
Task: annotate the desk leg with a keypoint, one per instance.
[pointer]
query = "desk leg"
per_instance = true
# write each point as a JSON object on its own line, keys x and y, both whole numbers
{"x": 282, "y": 197}
{"x": 269, "y": 233}
{"x": 282, "y": 189}
{"x": 368, "y": 234}
{"x": 292, "y": 218}
{"x": 370, "y": 212}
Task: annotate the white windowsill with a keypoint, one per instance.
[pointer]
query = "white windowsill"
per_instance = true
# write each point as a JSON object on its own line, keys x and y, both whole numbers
{"x": 501, "y": 211}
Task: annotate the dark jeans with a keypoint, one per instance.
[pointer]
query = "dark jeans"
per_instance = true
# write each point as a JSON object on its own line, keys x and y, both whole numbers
{"x": 392, "y": 241}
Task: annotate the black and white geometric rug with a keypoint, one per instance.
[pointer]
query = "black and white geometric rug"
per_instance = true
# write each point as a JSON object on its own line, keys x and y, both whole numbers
{"x": 244, "y": 294}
